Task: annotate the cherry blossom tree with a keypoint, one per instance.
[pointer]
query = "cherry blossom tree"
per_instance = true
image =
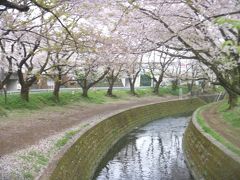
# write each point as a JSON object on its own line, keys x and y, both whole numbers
{"x": 115, "y": 69}
{"x": 195, "y": 73}
{"x": 116, "y": 60}
{"x": 6, "y": 69}
{"x": 6, "y": 63}
{"x": 92, "y": 66}
{"x": 21, "y": 44}
{"x": 133, "y": 68}
{"x": 89, "y": 72}
{"x": 193, "y": 27}
{"x": 25, "y": 38}
{"x": 59, "y": 68}
{"x": 158, "y": 65}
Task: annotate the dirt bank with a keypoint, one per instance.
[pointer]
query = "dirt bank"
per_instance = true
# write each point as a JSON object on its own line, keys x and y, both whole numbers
{"x": 216, "y": 122}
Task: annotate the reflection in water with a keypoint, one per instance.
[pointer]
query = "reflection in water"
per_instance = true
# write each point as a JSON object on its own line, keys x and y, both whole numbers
{"x": 151, "y": 152}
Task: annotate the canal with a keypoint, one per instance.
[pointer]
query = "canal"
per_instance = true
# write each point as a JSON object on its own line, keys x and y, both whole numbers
{"x": 152, "y": 152}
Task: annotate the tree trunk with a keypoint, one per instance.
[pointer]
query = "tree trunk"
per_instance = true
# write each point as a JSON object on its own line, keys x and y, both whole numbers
{"x": 232, "y": 100}
{"x": 132, "y": 89}
{"x": 156, "y": 88}
{"x": 111, "y": 82}
{"x": 3, "y": 90}
{"x": 25, "y": 93}
{"x": 85, "y": 92}
{"x": 5, "y": 94}
{"x": 157, "y": 83}
{"x": 203, "y": 85}
{"x": 175, "y": 84}
{"x": 109, "y": 91}
{"x": 190, "y": 87}
{"x": 57, "y": 85}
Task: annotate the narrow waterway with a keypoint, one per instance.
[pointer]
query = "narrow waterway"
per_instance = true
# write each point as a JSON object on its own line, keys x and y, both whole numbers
{"x": 152, "y": 152}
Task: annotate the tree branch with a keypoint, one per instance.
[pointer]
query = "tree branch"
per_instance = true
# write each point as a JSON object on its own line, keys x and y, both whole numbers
{"x": 11, "y": 5}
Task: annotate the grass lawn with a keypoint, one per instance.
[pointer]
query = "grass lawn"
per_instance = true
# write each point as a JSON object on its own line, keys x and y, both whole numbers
{"x": 40, "y": 100}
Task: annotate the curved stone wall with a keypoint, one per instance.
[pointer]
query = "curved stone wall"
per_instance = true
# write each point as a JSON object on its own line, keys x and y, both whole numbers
{"x": 211, "y": 97}
{"x": 83, "y": 157}
{"x": 206, "y": 157}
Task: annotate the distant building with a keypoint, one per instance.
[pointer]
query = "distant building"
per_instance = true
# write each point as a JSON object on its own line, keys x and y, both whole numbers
{"x": 142, "y": 80}
{"x": 12, "y": 84}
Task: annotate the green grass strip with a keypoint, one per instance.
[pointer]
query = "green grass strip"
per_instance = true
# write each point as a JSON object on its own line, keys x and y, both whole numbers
{"x": 44, "y": 99}
{"x": 61, "y": 142}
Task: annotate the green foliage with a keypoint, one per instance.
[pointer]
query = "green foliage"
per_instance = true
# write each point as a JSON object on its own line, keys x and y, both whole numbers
{"x": 61, "y": 142}
{"x": 175, "y": 84}
{"x": 214, "y": 134}
{"x": 217, "y": 89}
{"x": 233, "y": 23}
{"x": 144, "y": 92}
{"x": 169, "y": 91}
{"x": 28, "y": 176}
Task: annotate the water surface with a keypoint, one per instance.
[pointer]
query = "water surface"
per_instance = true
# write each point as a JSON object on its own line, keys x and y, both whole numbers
{"x": 152, "y": 152}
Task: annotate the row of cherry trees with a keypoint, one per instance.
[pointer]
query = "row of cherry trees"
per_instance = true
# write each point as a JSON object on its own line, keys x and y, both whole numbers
{"x": 47, "y": 39}
{"x": 206, "y": 31}
{"x": 93, "y": 40}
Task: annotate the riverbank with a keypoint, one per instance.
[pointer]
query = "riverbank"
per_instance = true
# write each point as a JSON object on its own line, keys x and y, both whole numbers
{"x": 82, "y": 156}
{"x": 30, "y": 137}
{"x": 34, "y": 137}
{"x": 211, "y": 142}
{"x": 222, "y": 124}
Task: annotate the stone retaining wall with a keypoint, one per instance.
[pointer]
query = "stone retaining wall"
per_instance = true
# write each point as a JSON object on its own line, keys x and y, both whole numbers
{"x": 206, "y": 157}
{"x": 83, "y": 157}
{"x": 211, "y": 97}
